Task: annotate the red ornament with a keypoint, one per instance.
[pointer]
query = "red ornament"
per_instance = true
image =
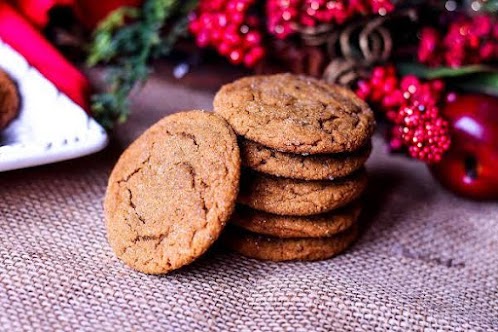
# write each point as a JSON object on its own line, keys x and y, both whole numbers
{"x": 469, "y": 168}
{"x": 227, "y": 26}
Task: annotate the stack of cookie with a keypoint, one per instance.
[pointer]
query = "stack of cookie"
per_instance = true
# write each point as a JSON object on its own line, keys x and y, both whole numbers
{"x": 303, "y": 144}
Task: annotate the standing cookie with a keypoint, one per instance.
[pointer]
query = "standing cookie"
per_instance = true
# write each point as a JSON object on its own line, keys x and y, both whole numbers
{"x": 172, "y": 192}
{"x": 296, "y": 114}
{"x": 9, "y": 100}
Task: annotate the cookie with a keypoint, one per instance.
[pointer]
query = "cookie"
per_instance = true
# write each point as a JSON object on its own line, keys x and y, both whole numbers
{"x": 296, "y": 114}
{"x": 275, "y": 249}
{"x": 172, "y": 192}
{"x": 321, "y": 225}
{"x": 9, "y": 100}
{"x": 292, "y": 197}
{"x": 297, "y": 166}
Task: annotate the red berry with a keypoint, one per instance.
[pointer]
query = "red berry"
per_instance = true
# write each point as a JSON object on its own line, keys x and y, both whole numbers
{"x": 468, "y": 40}
{"x": 222, "y": 20}
{"x": 379, "y": 72}
{"x": 237, "y": 17}
{"x": 487, "y": 51}
{"x": 232, "y": 37}
{"x": 227, "y": 26}
{"x": 224, "y": 48}
{"x": 411, "y": 106}
{"x": 253, "y": 38}
{"x": 195, "y": 27}
{"x": 390, "y": 85}
{"x": 254, "y": 56}
{"x": 216, "y": 36}
{"x": 236, "y": 56}
{"x": 202, "y": 39}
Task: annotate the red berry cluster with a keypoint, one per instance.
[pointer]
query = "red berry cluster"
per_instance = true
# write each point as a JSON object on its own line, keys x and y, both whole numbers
{"x": 412, "y": 107}
{"x": 467, "y": 41}
{"x": 285, "y": 16}
{"x": 229, "y": 27}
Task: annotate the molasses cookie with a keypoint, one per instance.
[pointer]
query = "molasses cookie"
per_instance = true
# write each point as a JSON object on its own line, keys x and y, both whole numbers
{"x": 298, "y": 166}
{"x": 9, "y": 100}
{"x": 296, "y": 114}
{"x": 320, "y": 225}
{"x": 275, "y": 249}
{"x": 172, "y": 192}
{"x": 285, "y": 196}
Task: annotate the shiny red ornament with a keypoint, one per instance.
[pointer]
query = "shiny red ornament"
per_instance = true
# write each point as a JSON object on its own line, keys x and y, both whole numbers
{"x": 469, "y": 168}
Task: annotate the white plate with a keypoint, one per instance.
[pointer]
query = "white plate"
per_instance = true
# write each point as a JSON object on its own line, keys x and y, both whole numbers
{"x": 50, "y": 127}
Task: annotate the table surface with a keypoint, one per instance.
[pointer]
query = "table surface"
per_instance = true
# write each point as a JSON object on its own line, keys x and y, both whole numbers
{"x": 426, "y": 260}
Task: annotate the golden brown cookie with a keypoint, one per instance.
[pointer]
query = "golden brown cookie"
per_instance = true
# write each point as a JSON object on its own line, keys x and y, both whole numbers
{"x": 292, "y": 197}
{"x": 275, "y": 249}
{"x": 172, "y": 192}
{"x": 297, "y": 166}
{"x": 320, "y": 225}
{"x": 296, "y": 114}
{"x": 9, "y": 100}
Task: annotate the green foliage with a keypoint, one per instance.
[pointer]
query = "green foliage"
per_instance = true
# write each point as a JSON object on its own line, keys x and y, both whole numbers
{"x": 127, "y": 40}
{"x": 490, "y": 6}
{"x": 486, "y": 83}
{"x": 473, "y": 78}
{"x": 430, "y": 73}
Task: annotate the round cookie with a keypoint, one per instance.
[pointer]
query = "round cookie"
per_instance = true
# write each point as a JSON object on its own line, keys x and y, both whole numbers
{"x": 277, "y": 250}
{"x": 292, "y": 197}
{"x": 296, "y": 114}
{"x": 297, "y": 166}
{"x": 172, "y": 192}
{"x": 9, "y": 100}
{"x": 321, "y": 225}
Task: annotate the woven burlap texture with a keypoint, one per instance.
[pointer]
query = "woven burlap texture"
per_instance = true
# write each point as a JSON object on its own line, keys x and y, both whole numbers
{"x": 426, "y": 261}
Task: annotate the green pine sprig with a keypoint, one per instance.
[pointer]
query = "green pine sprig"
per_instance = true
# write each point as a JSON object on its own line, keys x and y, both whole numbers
{"x": 127, "y": 41}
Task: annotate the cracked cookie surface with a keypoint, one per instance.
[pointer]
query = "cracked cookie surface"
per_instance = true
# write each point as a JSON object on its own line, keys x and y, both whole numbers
{"x": 297, "y": 166}
{"x": 172, "y": 192}
{"x": 292, "y": 197}
{"x": 9, "y": 100}
{"x": 274, "y": 249}
{"x": 296, "y": 114}
{"x": 320, "y": 225}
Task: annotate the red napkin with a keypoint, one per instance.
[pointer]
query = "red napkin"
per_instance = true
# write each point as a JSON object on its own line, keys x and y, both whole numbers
{"x": 36, "y": 11}
{"x": 16, "y": 31}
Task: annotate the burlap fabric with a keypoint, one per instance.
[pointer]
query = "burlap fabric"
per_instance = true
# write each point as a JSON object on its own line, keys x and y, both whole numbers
{"x": 426, "y": 261}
